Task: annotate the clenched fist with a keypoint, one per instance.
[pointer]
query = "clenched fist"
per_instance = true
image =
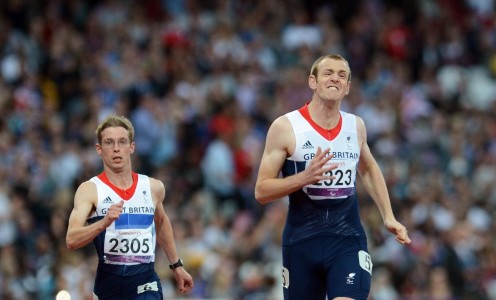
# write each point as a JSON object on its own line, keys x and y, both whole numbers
{"x": 114, "y": 211}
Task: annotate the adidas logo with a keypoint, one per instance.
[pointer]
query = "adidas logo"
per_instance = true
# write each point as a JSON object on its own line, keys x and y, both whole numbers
{"x": 107, "y": 200}
{"x": 307, "y": 145}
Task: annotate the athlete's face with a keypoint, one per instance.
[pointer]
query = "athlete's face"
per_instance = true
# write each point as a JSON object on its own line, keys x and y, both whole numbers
{"x": 332, "y": 80}
{"x": 115, "y": 148}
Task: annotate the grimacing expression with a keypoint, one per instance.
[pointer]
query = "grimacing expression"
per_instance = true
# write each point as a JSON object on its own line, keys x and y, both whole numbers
{"x": 332, "y": 80}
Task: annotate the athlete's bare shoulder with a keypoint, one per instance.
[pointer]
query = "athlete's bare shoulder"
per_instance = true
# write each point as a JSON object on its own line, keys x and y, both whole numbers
{"x": 361, "y": 130}
{"x": 87, "y": 190}
{"x": 85, "y": 199}
{"x": 280, "y": 134}
{"x": 280, "y": 123}
{"x": 158, "y": 189}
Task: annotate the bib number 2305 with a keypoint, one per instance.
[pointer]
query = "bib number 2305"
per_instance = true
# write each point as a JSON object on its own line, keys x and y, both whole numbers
{"x": 128, "y": 245}
{"x": 124, "y": 246}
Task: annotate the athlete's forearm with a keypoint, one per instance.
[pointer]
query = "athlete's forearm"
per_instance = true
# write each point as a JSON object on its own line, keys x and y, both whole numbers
{"x": 269, "y": 190}
{"x": 78, "y": 237}
{"x": 375, "y": 185}
{"x": 165, "y": 239}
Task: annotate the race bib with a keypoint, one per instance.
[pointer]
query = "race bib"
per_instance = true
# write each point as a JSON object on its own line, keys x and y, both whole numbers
{"x": 128, "y": 246}
{"x": 342, "y": 186}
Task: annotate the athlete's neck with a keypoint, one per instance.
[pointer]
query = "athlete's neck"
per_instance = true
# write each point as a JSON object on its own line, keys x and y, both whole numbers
{"x": 325, "y": 114}
{"x": 121, "y": 180}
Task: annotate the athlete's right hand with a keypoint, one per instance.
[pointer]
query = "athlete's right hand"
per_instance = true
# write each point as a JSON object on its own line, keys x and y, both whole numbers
{"x": 114, "y": 211}
{"x": 318, "y": 168}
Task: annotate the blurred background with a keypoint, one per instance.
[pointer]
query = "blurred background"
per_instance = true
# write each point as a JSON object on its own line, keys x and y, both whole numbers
{"x": 202, "y": 81}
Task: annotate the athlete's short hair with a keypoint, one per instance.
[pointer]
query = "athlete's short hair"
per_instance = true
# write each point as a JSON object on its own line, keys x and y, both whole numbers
{"x": 115, "y": 121}
{"x": 315, "y": 67}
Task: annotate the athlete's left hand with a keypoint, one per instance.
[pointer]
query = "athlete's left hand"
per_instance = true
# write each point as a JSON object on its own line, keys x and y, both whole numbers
{"x": 399, "y": 230}
{"x": 184, "y": 280}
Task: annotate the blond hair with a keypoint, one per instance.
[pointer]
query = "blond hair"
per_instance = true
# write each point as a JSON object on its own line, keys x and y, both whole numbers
{"x": 115, "y": 121}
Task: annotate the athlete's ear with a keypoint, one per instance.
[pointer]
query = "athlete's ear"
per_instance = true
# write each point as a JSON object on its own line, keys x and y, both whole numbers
{"x": 348, "y": 87}
{"x": 98, "y": 149}
{"x": 132, "y": 147}
{"x": 312, "y": 82}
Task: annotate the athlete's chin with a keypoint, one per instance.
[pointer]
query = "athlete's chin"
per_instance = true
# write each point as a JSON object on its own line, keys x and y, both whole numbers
{"x": 332, "y": 98}
{"x": 116, "y": 167}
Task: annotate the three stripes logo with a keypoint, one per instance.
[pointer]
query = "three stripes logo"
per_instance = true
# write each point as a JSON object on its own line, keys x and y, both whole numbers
{"x": 307, "y": 145}
{"x": 107, "y": 200}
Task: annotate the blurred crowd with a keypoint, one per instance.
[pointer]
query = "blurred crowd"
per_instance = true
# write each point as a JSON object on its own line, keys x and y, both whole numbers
{"x": 202, "y": 80}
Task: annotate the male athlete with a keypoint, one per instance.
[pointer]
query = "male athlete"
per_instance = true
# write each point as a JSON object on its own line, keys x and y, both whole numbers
{"x": 122, "y": 213}
{"x": 319, "y": 149}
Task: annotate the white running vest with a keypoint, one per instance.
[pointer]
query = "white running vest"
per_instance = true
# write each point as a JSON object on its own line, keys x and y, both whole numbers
{"x": 130, "y": 240}
{"x": 344, "y": 147}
